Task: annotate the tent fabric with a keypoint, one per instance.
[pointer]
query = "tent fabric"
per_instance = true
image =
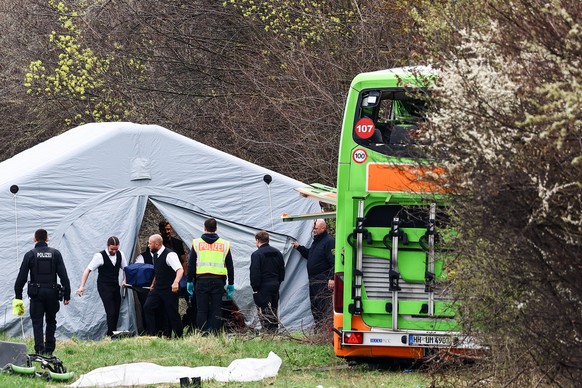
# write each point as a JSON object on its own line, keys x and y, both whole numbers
{"x": 94, "y": 181}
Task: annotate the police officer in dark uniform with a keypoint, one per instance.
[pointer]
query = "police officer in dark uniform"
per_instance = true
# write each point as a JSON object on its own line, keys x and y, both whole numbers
{"x": 44, "y": 264}
{"x": 267, "y": 272}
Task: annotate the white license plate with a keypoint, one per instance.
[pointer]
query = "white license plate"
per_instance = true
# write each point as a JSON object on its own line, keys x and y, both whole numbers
{"x": 428, "y": 340}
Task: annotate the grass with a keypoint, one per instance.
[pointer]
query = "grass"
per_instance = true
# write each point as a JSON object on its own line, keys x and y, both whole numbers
{"x": 304, "y": 364}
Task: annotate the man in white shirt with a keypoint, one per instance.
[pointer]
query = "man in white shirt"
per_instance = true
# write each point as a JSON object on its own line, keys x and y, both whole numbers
{"x": 164, "y": 293}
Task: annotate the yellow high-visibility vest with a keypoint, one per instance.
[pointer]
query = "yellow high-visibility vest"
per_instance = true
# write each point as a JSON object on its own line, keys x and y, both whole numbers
{"x": 210, "y": 258}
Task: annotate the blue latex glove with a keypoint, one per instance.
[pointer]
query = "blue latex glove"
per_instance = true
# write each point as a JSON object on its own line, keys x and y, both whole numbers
{"x": 229, "y": 291}
{"x": 190, "y": 288}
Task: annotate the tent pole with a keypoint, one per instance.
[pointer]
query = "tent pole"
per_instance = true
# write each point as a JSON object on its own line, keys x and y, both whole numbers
{"x": 268, "y": 179}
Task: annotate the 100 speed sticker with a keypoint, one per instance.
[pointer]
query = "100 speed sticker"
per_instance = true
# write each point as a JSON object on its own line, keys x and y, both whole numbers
{"x": 359, "y": 155}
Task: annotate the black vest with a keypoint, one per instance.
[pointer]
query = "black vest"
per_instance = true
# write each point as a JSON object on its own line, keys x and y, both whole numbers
{"x": 165, "y": 275}
{"x": 43, "y": 271}
{"x": 108, "y": 273}
{"x": 147, "y": 257}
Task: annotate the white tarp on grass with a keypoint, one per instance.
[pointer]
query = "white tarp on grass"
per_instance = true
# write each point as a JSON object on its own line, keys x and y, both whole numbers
{"x": 144, "y": 373}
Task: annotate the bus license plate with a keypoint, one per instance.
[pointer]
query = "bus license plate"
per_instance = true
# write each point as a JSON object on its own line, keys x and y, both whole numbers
{"x": 428, "y": 340}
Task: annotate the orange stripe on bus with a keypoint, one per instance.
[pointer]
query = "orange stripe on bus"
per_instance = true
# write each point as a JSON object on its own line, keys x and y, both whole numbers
{"x": 390, "y": 177}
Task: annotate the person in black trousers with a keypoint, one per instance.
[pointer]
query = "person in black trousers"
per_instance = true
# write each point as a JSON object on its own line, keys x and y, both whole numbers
{"x": 210, "y": 266}
{"x": 178, "y": 246}
{"x": 108, "y": 262}
{"x": 169, "y": 271}
{"x": 267, "y": 272}
{"x": 44, "y": 264}
{"x": 142, "y": 293}
{"x": 320, "y": 268}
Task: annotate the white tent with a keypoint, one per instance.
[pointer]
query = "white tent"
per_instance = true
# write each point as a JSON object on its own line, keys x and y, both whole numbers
{"x": 94, "y": 181}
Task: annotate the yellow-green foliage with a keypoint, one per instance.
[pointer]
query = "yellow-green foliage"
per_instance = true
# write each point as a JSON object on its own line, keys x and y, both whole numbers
{"x": 440, "y": 21}
{"x": 302, "y": 21}
{"x": 79, "y": 74}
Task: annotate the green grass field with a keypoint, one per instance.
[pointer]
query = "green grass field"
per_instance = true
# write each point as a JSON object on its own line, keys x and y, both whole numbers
{"x": 305, "y": 364}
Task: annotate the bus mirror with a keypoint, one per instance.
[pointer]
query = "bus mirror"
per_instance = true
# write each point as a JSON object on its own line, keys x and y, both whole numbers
{"x": 370, "y": 99}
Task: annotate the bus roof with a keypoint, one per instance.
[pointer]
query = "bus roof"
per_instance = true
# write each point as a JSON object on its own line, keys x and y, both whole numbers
{"x": 392, "y": 77}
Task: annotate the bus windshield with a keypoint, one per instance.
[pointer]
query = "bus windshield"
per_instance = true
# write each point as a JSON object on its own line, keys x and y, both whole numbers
{"x": 392, "y": 118}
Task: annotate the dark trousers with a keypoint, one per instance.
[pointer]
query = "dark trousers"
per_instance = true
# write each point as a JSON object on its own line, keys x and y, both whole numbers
{"x": 44, "y": 305}
{"x": 162, "y": 321}
{"x": 321, "y": 299}
{"x": 267, "y": 301}
{"x": 209, "y": 292}
{"x": 168, "y": 302}
{"x": 111, "y": 298}
{"x": 142, "y": 295}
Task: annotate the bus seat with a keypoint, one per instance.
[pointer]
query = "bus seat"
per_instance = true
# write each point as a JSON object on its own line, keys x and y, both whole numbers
{"x": 376, "y": 137}
{"x": 400, "y": 134}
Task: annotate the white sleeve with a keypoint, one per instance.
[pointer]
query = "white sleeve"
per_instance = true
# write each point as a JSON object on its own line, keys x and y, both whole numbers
{"x": 123, "y": 260}
{"x": 173, "y": 261}
{"x": 139, "y": 259}
{"x": 96, "y": 262}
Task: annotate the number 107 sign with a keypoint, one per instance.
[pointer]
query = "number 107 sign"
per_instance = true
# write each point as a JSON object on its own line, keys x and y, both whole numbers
{"x": 364, "y": 128}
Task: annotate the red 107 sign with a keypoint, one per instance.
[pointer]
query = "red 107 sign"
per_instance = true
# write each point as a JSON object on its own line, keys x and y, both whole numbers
{"x": 364, "y": 128}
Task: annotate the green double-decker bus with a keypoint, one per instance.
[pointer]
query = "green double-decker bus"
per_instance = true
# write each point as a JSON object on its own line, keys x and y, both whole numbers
{"x": 389, "y": 299}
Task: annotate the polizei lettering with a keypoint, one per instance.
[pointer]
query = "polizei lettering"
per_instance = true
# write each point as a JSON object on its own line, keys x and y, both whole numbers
{"x": 44, "y": 254}
{"x": 204, "y": 246}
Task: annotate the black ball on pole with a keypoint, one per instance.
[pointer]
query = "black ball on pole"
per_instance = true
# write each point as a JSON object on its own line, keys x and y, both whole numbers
{"x": 268, "y": 179}
{"x": 14, "y": 189}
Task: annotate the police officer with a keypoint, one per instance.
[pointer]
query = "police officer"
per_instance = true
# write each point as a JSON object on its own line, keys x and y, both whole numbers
{"x": 108, "y": 262}
{"x": 168, "y": 272}
{"x": 267, "y": 272}
{"x": 44, "y": 264}
{"x": 209, "y": 265}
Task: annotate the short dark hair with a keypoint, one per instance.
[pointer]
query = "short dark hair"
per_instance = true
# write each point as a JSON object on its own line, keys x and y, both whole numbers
{"x": 210, "y": 225}
{"x": 41, "y": 235}
{"x": 112, "y": 241}
{"x": 162, "y": 226}
{"x": 262, "y": 236}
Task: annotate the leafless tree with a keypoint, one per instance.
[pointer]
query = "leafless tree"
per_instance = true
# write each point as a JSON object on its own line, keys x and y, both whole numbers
{"x": 220, "y": 77}
{"x": 24, "y": 24}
